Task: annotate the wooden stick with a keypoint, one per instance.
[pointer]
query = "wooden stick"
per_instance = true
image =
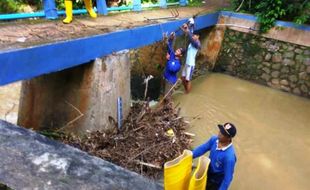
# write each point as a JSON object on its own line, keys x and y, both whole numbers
{"x": 161, "y": 101}
{"x": 239, "y": 6}
{"x": 78, "y": 117}
{"x": 145, "y": 150}
{"x": 195, "y": 118}
{"x": 190, "y": 134}
{"x": 74, "y": 108}
{"x": 176, "y": 105}
{"x": 146, "y": 81}
{"x": 72, "y": 121}
{"x": 177, "y": 118}
{"x": 148, "y": 164}
{"x": 75, "y": 119}
{"x": 139, "y": 128}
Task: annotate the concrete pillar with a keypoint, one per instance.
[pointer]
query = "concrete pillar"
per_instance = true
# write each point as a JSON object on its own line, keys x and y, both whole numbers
{"x": 77, "y": 99}
{"x": 212, "y": 46}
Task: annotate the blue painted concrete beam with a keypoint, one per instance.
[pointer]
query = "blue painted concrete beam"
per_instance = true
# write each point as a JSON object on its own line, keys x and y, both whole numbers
{"x": 30, "y": 62}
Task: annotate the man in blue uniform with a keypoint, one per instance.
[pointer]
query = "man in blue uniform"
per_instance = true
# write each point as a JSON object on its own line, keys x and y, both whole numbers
{"x": 173, "y": 64}
{"x": 222, "y": 156}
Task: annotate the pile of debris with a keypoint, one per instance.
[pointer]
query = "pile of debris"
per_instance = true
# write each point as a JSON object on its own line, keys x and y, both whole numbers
{"x": 148, "y": 138}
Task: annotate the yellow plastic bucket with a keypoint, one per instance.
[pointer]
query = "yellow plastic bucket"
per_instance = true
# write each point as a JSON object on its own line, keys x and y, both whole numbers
{"x": 177, "y": 172}
{"x": 199, "y": 179}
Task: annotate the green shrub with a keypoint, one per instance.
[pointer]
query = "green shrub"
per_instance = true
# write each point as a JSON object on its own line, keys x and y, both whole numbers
{"x": 8, "y": 6}
{"x": 268, "y": 11}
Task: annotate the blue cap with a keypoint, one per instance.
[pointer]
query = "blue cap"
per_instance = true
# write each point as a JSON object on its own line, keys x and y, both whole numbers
{"x": 228, "y": 129}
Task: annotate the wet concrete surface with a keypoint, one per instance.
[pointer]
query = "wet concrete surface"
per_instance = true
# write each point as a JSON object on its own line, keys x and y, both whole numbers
{"x": 32, "y": 161}
{"x": 272, "y": 142}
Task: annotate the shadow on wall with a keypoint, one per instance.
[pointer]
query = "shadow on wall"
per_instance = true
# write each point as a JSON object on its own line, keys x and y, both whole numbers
{"x": 138, "y": 87}
{"x": 145, "y": 61}
{"x": 4, "y": 187}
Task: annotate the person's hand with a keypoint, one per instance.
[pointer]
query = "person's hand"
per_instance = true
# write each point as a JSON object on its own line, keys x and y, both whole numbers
{"x": 185, "y": 27}
{"x": 165, "y": 37}
{"x": 167, "y": 56}
{"x": 172, "y": 35}
{"x": 191, "y": 21}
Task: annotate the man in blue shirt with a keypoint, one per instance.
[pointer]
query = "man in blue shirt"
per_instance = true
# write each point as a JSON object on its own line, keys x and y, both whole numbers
{"x": 222, "y": 156}
{"x": 173, "y": 64}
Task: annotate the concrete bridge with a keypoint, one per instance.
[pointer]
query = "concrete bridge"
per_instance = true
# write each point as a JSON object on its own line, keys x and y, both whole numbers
{"x": 50, "y": 100}
{"x": 73, "y": 85}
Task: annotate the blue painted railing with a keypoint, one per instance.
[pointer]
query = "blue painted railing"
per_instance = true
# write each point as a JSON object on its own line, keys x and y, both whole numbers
{"x": 50, "y": 10}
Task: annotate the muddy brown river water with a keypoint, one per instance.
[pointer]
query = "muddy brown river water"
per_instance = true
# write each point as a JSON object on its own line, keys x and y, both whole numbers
{"x": 272, "y": 142}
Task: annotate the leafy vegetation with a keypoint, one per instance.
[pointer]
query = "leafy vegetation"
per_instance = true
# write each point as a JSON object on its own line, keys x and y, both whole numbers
{"x": 13, "y": 6}
{"x": 268, "y": 11}
{"x": 8, "y": 6}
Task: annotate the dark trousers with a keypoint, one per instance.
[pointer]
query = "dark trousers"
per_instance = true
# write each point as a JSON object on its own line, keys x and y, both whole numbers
{"x": 212, "y": 186}
{"x": 211, "y": 180}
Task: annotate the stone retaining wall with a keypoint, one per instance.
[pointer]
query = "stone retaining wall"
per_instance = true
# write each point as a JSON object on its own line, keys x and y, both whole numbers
{"x": 274, "y": 63}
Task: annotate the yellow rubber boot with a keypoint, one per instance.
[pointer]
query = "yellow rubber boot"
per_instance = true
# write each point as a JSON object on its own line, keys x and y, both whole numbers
{"x": 199, "y": 178}
{"x": 89, "y": 8}
{"x": 177, "y": 172}
{"x": 68, "y": 5}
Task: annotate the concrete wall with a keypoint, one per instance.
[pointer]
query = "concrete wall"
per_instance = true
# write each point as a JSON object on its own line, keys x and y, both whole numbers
{"x": 278, "y": 64}
{"x": 279, "y": 59}
{"x": 211, "y": 46}
{"x": 32, "y": 161}
{"x": 286, "y": 34}
{"x": 77, "y": 99}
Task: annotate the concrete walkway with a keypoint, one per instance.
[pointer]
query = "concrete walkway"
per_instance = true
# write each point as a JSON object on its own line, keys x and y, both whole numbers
{"x": 25, "y": 33}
